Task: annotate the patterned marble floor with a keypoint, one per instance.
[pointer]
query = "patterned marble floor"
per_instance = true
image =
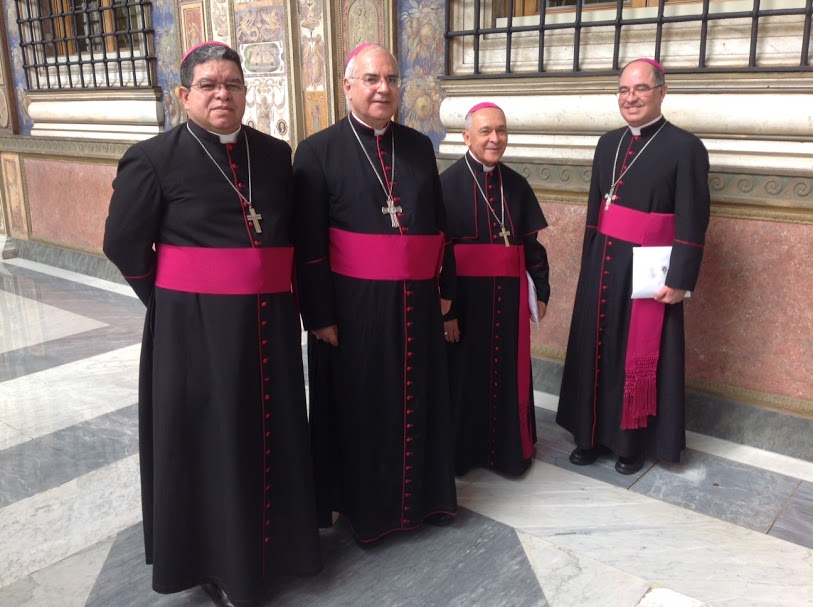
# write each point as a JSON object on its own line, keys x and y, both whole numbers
{"x": 730, "y": 526}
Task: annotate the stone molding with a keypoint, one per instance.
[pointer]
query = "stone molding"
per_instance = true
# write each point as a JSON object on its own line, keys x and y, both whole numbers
{"x": 780, "y": 198}
{"x": 68, "y": 149}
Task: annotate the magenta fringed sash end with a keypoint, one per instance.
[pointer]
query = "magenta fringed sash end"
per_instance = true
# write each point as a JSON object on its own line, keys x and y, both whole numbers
{"x": 640, "y": 393}
{"x": 646, "y": 318}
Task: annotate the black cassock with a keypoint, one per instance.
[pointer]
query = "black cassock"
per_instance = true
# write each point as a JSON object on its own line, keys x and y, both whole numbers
{"x": 483, "y": 365}
{"x": 379, "y": 405}
{"x": 226, "y": 476}
{"x": 669, "y": 176}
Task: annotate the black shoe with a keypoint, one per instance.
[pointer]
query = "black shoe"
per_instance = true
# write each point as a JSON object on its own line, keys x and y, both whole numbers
{"x": 218, "y": 594}
{"x": 585, "y": 457}
{"x": 629, "y": 465}
{"x": 439, "y": 519}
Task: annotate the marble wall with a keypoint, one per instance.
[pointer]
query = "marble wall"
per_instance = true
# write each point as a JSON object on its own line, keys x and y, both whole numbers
{"x": 749, "y": 328}
{"x": 62, "y": 211}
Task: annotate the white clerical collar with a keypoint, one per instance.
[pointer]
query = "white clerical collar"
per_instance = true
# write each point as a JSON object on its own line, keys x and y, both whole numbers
{"x": 636, "y": 130}
{"x": 230, "y": 138}
{"x": 376, "y": 132}
{"x": 486, "y": 169}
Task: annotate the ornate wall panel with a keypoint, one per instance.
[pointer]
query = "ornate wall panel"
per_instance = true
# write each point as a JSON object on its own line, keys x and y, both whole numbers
{"x": 315, "y": 52}
{"x": 8, "y": 111}
{"x": 420, "y": 57}
{"x": 361, "y": 21}
{"x": 260, "y": 29}
{"x": 14, "y": 195}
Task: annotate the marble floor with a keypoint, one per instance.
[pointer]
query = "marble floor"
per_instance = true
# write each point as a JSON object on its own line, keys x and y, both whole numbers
{"x": 731, "y": 526}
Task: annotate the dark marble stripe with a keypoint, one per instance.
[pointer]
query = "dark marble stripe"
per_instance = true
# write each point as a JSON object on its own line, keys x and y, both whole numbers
{"x": 547, "y": 375}
{"x": 727, "y": 419}
{"x": 748, "y": 425}
{"x": 51, "y": 460}
{"x": 718, "y": 487}
{"x": 75, "y": 261}
{"x": 474, "y": 562}
{"x": 554, "y": 445}
{"x": 123, "y": 315}
{"x": 126, "y": 581}
{"x": 795, "y": 522}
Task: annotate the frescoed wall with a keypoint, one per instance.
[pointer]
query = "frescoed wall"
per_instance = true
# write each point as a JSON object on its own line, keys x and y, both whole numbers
{"x": 260, "y": 32}
{"x": 314, "y": 64}
{"x": 420, "y": 58}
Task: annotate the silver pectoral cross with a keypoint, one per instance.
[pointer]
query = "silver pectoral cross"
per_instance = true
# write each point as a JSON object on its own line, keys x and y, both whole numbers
{"x": 392, "y": 210}
{"x": 254, "y": 218}
{"x": 609, "y": 197}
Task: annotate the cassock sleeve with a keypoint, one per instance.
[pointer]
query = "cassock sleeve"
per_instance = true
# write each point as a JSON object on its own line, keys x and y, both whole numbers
{"x": 311, "y": 221}
{"x": 134, "y": 220}
{"x": 448, "y": 272}
{"x": 536, "y": 257}
{"x": 692, "y": 203}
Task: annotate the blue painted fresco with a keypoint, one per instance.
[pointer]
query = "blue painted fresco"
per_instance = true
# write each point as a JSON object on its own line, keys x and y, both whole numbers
{"x": 421, "y": 49}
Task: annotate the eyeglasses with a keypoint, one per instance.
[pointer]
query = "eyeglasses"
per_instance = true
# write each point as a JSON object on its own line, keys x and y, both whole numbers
{"x": 210, "y": 86}
{"x": 372, "y": 82}
{"x": 639, "y": 89}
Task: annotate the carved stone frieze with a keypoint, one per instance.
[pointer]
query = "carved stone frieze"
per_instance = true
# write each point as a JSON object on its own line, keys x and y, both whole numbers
{"x": 69, "y": 148}
{"x": 780, "y": 198}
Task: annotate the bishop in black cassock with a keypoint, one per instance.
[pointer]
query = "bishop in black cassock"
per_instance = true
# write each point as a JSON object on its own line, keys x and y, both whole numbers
{"x": 488, "y": 326}
{"x": 369, "y": 225}
{"x": 623, "y": 382}
{"x": 198, "y": 225}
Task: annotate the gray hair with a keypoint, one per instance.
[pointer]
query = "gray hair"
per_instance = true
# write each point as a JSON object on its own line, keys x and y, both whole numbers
{"x": 350, "y": 68}
{"x": 204, "y": 53}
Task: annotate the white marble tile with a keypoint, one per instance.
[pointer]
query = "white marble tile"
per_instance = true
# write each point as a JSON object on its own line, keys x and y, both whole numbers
{"x": 571, "y": 580}
{"x": 9, "y": 436}
{"x": 64, "y": 584}
{"x": 695, "y": 555}
{"x": 25, "y": 322}
{"x": 50, "y": 526}
{"x": 767, "y": 460}
{"x": 663, "y": 597}
{"x": 74, "y": 276}
{"x": 46, "y": 401}
{"x": 546, "y": 401}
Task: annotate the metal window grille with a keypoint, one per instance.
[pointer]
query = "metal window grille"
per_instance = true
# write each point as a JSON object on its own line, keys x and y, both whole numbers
{"x": 477, "y": 32}
{"x": 86, "y": 44}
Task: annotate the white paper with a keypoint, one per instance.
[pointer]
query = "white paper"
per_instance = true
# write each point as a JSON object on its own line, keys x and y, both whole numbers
{"x": 649, "y": 268}
{"x": 532, "y": 300}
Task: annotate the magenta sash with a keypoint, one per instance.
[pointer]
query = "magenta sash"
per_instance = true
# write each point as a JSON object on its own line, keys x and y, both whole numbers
{"x": 236, "y": 271}
{"x": 498, "y": 260}
{"x": 646, "y": 318}
{"x": 385, "y": 256}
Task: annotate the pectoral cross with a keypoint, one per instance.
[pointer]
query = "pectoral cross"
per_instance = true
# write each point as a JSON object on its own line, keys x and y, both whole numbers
{"x": 392, "y": 210}
{"x": 505, "y": 234}
{"x": 254, "y": 218}
{"x": 609, "y": 197}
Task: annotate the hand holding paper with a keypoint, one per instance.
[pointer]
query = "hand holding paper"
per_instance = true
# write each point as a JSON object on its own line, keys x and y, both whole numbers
{"x": 649, "y": 268}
